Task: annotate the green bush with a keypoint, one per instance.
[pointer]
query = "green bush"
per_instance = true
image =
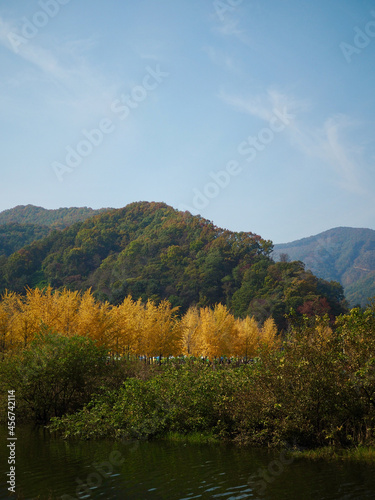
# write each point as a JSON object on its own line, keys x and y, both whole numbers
{"x": 54, "y": 375}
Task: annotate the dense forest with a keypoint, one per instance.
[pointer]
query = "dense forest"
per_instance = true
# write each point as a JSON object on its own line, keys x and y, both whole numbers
{"x": 152, "y": 251}
{"x": 14, "y": 236}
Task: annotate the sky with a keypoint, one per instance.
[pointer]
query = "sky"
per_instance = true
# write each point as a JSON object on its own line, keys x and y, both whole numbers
{"x": 256, "y": 114}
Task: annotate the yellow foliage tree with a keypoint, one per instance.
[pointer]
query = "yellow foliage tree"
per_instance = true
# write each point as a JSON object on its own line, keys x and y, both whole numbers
{"x": 67, "y": 304}
{"x": 42, "y": 306}
{"x": 217, "y": 331}
{"x": 268, "y": 334}
{"x": 190, "y": 340}
{"x": 127, "y": 330}
{"x": 133, "y": 328}
{"x": 160, "y": 329}
{"x": 93, "y": 320}
{"x": 247, "y": 337}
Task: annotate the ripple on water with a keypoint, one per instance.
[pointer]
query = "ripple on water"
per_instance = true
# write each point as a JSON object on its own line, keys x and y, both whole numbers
{"x": 159, "y": 470}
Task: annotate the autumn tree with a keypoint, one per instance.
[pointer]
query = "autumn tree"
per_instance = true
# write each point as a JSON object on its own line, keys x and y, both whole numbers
{"x": 217, "y": 331}
{"x": 93, "y": 319}
{"x": 160, "y": 329}
{"x": 247, "y": 337}
{"x": 190, "y": 332}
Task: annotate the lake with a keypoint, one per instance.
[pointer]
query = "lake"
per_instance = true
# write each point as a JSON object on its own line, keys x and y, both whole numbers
{"x": 49, "y": 467}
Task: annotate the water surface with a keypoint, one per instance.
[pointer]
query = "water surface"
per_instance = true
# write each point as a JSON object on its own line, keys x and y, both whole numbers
{"x": 49, "y": 467}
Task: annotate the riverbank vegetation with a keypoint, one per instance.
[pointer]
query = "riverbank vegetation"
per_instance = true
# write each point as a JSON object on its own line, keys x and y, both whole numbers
{"x": 89, "y": 370}
{"x": 354, "y": 454}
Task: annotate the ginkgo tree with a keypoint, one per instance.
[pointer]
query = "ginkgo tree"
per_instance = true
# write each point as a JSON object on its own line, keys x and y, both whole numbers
{"x": 127, "y": 328}
{"x": 132, "y": 328}
{"x": 190, "y": 338}
{"x": 161, "y": 329}
{"x": 217, "y": 331}
{"x": 93, "y": 319}
{"x": 247, "y": 338}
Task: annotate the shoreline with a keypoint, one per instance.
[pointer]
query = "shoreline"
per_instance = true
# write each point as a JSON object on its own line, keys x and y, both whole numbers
{"x": 360, "y": 453}
{"x": 329, "y": 453}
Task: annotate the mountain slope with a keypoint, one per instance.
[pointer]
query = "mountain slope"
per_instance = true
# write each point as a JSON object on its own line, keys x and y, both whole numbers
{"x": 343, "y": 254}
{"x": 151, "y": 250}
{"x": 14, "y": 236}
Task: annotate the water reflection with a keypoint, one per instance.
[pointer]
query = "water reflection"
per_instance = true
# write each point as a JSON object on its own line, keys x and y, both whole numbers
{"x": 51, "y": 468}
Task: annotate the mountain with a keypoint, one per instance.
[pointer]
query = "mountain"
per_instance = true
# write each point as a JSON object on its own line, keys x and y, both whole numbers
{"x": 57, "y": 219}
{"x": 343, "y": 254}
{"x": 24, "y": 224}
{"x": 14, "y": 236}
{"x": 151, "y": 250}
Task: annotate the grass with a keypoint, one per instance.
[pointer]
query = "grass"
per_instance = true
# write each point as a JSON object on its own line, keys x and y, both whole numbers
{"x": 357, "y": 454}
{"x": 191, "y": 438}
{"x": 50, "y": 497}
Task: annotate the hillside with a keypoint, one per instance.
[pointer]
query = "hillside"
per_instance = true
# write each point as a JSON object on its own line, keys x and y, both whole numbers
{"x": 14, "y": 236}
{"x": 151, "y": 250}
{"x": 57, "y": 219}
{"x": 343, "y": 254}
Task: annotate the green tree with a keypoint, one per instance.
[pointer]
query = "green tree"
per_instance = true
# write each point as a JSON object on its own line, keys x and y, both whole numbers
{"x": 54, "y": 375}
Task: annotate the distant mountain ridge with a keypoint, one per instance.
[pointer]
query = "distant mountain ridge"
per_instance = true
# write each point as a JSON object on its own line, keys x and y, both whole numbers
{"x": 343, "y": 254}
{"x": 53, "y": 218}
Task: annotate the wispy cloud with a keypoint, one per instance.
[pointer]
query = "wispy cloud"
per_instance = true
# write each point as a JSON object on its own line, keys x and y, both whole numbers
{"x": 329, "y": 143}
{"x": 5, "y": 28}
{"x": 150, "y": 49}
{"x": 231, "y": 28}
{"x": 43, "y": 59}
{"x": 263, "y": 105}
{"x": 253, "y": 106}
{"x": 338, "y": 151}
{"x": 221, "y": 59}
{"x": 64, "y": 64}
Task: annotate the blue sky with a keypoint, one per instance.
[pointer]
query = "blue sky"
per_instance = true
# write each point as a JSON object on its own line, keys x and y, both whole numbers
{"x": 259, "y": 115}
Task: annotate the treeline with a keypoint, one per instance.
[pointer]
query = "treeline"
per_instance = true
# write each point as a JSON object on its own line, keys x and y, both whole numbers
{"x": 152, "y": 251}
{"x": 132, "y": 328}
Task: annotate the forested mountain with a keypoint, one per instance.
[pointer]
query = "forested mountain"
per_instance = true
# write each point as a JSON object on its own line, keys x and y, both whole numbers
{"x": 57, "y": 219}
{"x": 150, "y": 250}
{"x": 344, "y": 254}
{"x": 14, "y": 236}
